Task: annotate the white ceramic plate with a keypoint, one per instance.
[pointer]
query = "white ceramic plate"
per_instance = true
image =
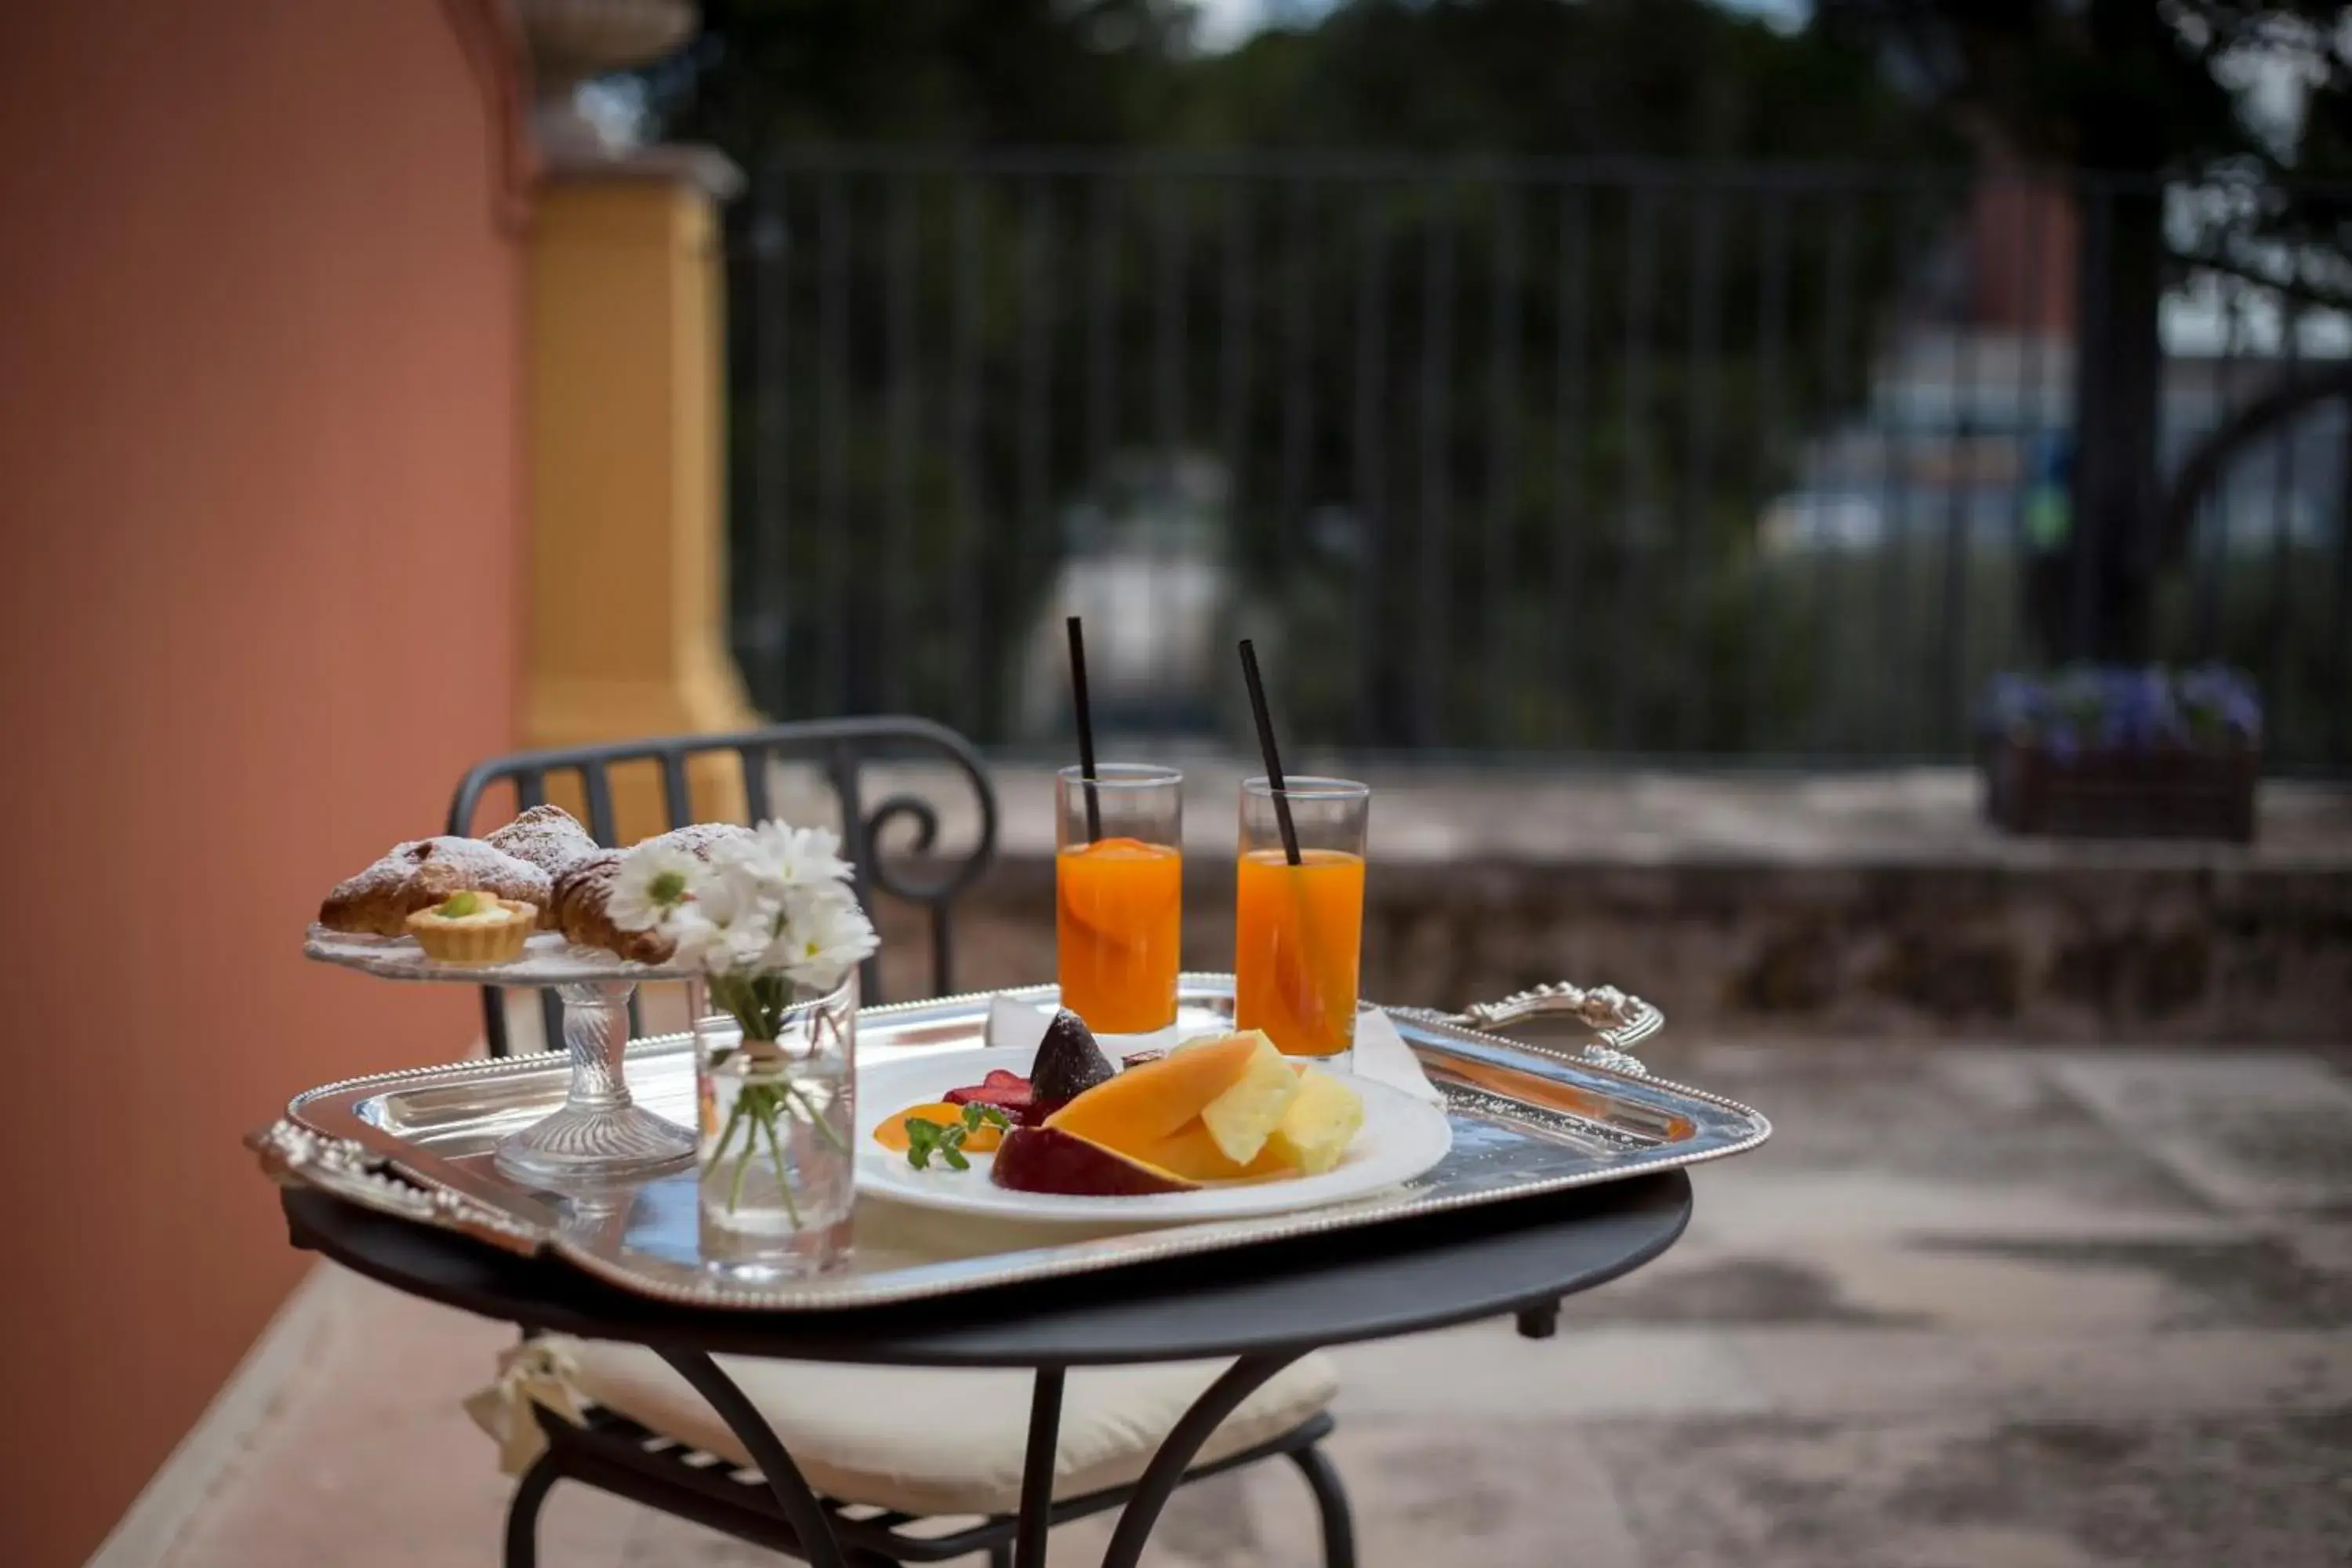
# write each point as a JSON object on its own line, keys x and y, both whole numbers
{"x": 1401, "y": 1136}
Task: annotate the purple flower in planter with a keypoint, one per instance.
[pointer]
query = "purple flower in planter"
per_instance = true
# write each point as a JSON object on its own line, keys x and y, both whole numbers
{"x": 2014, "y": 705}
{"x": 2218, "y": 703}
{"x": 2139, "y": 711}
{"x": 2115, "y": 709}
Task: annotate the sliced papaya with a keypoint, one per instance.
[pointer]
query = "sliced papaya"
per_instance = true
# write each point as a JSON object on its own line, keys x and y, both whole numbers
{"x": 1146, "y": 1104}
{"x": 1192, "y": 1153}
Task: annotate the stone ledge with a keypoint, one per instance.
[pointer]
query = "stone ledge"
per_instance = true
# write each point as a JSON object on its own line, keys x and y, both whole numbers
{"x": 1910, "y": 817}
{"x": 2059, "y": 955}
{"x": 1738, "y": 906}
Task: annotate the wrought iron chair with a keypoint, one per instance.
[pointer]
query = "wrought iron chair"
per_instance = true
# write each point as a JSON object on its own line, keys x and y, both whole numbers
{"x": 629, "y": 1455}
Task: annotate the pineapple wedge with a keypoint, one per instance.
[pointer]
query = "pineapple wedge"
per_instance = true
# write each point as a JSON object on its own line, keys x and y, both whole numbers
{"x": 1241, "y": 1119}
{"x": 1321, "y": 1121}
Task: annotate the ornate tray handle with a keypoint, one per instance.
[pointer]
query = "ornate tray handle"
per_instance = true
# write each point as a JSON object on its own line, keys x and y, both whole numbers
{"x": 293, "y": 1156}
{"x": 1621, "y": 1022}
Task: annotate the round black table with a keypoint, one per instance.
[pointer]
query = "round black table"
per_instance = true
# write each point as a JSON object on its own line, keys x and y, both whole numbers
{"x": 1262, "y": 1306}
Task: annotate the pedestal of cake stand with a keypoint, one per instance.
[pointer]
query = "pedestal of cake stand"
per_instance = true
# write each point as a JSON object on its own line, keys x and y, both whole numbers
{"x": 600, "y": 1135}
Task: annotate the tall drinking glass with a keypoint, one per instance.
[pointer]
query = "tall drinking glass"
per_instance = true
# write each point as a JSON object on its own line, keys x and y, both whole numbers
{"x": 1298, "y": 929}
{"x": 1119, "y": 894}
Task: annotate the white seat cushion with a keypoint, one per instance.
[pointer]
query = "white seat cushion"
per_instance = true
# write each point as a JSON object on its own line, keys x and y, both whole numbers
{"x": 948, "y": 1442}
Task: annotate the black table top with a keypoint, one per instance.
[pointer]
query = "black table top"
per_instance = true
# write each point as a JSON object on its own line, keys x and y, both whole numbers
{"x": 1360, "y": 1284}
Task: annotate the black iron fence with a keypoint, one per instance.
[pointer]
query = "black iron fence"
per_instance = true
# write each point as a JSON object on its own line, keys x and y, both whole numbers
{"x": 1605, "y": 458}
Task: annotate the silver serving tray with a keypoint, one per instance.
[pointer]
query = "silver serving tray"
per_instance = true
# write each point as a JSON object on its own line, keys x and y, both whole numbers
{"x": 418, "y": 1143}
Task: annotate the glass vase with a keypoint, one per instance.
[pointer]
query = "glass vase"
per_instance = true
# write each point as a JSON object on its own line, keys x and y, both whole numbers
{"x": 778, "y": 1116}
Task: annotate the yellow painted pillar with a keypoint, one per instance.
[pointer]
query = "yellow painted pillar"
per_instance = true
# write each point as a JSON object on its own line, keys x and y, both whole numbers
{"x": 628, "y": 584}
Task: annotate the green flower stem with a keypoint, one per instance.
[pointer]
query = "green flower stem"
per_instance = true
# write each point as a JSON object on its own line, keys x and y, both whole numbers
{"x": 726, "y": 1133}
{"x": 751, "y": 1147}
{"x": 735, "y": 1188}
{"x": 759, "y": 1005}
{"x": 816, "y": 1118}
{"x": 759, "y": 1106}
{"x": 784, "y": 1183}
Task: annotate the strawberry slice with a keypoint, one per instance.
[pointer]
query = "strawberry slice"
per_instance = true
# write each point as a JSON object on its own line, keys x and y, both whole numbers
{"x": 990, "y": 1094}
{"x": 1007, "y": 1091}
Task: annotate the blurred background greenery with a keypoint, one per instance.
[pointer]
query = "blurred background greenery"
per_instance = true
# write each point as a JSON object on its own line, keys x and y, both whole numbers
{"x": 1620, "y": 377}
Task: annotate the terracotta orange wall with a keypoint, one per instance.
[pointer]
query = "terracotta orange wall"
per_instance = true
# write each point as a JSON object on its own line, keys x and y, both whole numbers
{"x": 258, "y": 599}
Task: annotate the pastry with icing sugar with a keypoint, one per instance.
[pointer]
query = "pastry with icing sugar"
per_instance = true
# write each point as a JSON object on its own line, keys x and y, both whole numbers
{"x": 583, "y": 894}
{"x": 549, "y": 837}
{"x": 424, "y": 872}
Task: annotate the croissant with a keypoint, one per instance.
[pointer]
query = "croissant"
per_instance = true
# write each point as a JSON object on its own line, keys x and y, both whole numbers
{"x": 422, "y": 873}
{"x": 550, "y": 838}
{"x": 583, "y": 894}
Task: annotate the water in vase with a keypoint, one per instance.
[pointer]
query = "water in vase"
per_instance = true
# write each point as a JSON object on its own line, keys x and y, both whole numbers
{"x": 778, "y": 1171}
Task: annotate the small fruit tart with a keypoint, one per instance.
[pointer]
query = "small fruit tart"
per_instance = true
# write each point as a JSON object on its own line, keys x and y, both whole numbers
{"x": 474, "y": 927}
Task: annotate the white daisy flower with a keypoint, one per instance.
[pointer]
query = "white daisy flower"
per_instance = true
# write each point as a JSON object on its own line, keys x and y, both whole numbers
{"x": 749, "y": 940}
{"x": 778, "y": 901}
{"x": 653, "y": 883}
{"x": 731, "y": 893}
{"x": 700, "y": 940}
{"x": 792, "y": 856}
{"x": 823, "y": 939}
{"x": 728, "y": 923}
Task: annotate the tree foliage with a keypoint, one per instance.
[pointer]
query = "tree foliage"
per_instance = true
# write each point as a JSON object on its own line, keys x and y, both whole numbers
{"x": 766, "y": 74}
{"x": 2258, "y": 96}
{"x": 1522, "y": 398}
{"x": 2251, "y": 105}
{"x": 1541, "y": 79}
{"x": 1712, "y": 329}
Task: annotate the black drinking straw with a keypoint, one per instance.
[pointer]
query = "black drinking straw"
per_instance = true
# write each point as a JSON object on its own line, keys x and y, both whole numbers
{"x": 1265, "y": 744}
{"x": 1085, "y": 728}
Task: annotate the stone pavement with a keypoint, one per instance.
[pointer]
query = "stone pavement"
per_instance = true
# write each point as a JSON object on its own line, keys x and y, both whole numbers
{"x": 1972, "y": 1308}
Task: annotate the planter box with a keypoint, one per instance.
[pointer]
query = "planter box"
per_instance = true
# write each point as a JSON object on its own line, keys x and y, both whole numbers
{"x": 2122, "y": 794}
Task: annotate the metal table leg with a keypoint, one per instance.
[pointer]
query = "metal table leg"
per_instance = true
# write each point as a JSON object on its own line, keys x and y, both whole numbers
{"x": 1037, "y": 1470}
{"x": 1166, "y": 1472}
{"x": 801, "y": 1509}
{"x": 1330, "y": 1506}
{"x": 522, "y": 1513}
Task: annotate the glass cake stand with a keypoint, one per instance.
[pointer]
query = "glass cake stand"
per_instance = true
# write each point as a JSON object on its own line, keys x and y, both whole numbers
{"x": 600, "y": 1135}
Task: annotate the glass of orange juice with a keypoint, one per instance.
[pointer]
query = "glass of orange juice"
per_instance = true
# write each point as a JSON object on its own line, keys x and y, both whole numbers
{"x": 1298, "y": 929}
{"x": 1119, "y": 894}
